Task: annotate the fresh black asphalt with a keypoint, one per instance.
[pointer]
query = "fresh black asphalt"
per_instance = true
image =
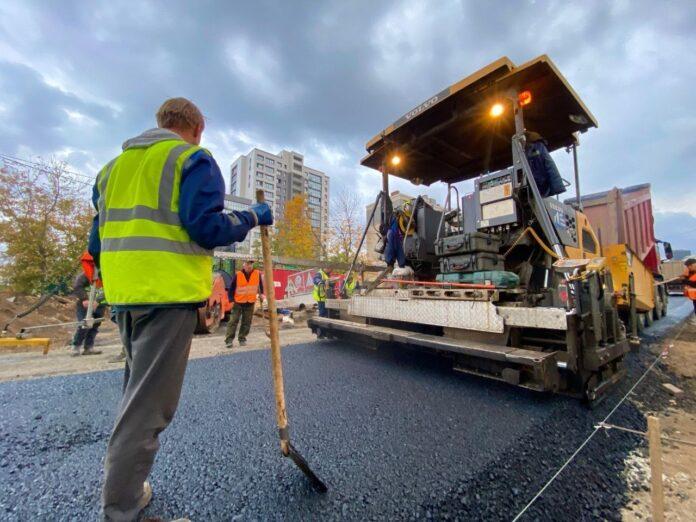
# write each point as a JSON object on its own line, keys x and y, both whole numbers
{"x": 394, "y": 435}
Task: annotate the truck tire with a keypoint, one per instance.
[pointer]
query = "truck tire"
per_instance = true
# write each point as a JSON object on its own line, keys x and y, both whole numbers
{"x": 656, "y": 313}
{"x": 665, "y": 300}
{"x": 648, "y": 319}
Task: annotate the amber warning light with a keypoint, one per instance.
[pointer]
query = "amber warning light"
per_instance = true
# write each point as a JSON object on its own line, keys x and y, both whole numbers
{"x": 524, "y": 98}
{"x": 496, "y": 110}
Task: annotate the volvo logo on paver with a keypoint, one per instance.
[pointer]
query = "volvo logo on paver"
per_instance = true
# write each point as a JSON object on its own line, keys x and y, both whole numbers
{"x": 415, "y": 112}
{"x": 422, "y": 107}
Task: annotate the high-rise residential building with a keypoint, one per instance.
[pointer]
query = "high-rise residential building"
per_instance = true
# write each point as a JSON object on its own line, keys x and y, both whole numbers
{"x": 282, "y": 176}
{"x": 240, "y": 204}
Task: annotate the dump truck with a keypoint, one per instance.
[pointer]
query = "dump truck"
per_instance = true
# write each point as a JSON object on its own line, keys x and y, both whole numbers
{"x": 508, "y": 284}
{"x": 672, "y": 271}
{"x": 623, "y": 221}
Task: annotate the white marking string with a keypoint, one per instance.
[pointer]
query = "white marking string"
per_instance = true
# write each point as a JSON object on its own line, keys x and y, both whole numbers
{"x": 598, "y": 427}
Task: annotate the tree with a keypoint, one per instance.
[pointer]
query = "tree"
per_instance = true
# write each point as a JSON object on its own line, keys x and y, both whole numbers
{"x": 45, "y": 217}
{"x": 294, "y": 236}
{"x": 345, "y": 227}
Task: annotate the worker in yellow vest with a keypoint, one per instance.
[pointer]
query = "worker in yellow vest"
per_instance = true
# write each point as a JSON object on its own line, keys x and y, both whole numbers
{"x": 160, "y": 212}
{"x": 321, "y": 290}
{"x": 246, "y": 287}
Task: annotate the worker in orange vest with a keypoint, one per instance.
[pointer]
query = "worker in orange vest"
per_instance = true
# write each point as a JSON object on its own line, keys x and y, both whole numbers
{"x": 84, "y": 334}
{"x": 246, "y": 287}
{"x": 689, "y": 278}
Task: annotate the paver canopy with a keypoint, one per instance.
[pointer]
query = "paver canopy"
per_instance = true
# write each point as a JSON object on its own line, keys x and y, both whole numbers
{"x": 452, "y": 137}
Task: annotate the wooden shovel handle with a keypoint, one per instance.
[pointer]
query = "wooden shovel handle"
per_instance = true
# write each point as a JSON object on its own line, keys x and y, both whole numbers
{"x": 276, "y": 362}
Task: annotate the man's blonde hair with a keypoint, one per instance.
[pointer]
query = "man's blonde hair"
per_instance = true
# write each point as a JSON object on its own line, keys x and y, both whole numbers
{"x": 179, "y": 113}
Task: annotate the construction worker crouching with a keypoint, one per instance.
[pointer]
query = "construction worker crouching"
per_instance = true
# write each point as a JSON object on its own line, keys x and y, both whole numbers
{"x": 689, "y": 279}
{"x": 159, "y": 215}
{"x": 246, "y": 287}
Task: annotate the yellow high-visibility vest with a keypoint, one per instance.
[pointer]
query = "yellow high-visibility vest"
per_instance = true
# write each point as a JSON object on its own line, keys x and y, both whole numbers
{"x": 147, "y": 257}
{"x": 319, "y": 291}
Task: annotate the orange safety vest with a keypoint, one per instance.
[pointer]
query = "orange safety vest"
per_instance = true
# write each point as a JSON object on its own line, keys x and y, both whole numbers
{"x": 247, "y": 290}
{"x": 690, "y": 291}
{"x": 88, "y": 267}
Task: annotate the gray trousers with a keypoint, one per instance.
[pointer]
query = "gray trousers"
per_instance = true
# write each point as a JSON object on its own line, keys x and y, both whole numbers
{"x": 157, "y": 343}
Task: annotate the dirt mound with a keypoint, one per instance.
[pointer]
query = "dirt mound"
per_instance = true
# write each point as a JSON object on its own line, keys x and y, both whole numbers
{"x": 58, "y": 309}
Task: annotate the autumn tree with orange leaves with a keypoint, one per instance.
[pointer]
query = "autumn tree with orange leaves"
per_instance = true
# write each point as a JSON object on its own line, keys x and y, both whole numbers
{"x": 294, "y": 236}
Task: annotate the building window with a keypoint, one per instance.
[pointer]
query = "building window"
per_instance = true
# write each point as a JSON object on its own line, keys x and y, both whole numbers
{"x": 259, "y": 183}
{"x": 259, "y": 165}
{"x": 269, "y": 186}
{"x": 269, "y": 169}
{"x": 297, "y": 166}
{"x": 270, "y": 161}
{"x": 259, "y": 174}
{"x": 259, "y": 157}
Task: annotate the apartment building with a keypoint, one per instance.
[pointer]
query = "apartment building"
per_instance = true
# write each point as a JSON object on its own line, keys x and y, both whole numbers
{"x": 282, "y": 176}
{"x": 240, "y": 204}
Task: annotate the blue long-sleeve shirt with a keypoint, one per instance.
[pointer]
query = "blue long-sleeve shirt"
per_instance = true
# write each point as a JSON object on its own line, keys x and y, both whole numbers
{"x": 201, "y": 207}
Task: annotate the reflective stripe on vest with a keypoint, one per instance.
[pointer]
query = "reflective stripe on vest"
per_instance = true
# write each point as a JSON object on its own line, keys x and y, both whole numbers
{"x": 147, "y": 257}
{"x": 319, "y": 291}
{"x": 246, "y": 291}
{"x": 350, "y": 286}
{"x": 161, "y": 214}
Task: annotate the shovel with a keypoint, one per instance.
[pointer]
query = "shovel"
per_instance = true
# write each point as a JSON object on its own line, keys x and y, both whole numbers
{"x": 286, "y": 448}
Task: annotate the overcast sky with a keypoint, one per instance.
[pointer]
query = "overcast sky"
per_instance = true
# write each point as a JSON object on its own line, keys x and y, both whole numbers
{"x": 77, "y": 78}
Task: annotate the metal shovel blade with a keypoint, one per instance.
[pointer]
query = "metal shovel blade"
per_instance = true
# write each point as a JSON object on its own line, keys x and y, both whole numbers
{"x": 301, "y": 463}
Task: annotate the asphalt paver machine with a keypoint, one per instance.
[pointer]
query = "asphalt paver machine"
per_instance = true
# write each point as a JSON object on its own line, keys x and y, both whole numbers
{"x": 509, "y": 284}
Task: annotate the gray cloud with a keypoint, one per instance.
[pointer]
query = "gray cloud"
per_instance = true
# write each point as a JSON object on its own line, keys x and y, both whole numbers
{"x": 324, "y": 77}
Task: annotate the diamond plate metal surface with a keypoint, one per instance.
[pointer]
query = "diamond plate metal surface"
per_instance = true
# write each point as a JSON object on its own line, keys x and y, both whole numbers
{"x": 472, "y": 315}
{"x": 540, "y": 317}
{"x": 337, "y": 304}
{"x": 483, "y": 316}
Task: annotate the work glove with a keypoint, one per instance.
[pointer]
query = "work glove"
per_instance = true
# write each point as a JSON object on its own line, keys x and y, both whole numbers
{"x": 262, "y": 214}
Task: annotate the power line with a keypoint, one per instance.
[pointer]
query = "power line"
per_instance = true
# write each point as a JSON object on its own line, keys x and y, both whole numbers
{"x": 86, "y": 180}
{"x": 36, "y": 164}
